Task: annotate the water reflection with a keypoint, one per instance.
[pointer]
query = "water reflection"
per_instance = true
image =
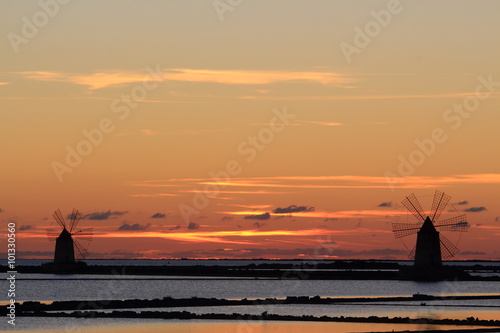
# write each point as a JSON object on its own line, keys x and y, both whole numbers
{"x": 177, "y": 326}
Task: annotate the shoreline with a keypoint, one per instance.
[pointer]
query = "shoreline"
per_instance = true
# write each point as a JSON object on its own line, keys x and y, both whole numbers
{"x": 185, "y": 315}
{"x": 34, "y": 306}
{"x": 131, "y": 309}
{"x": 341, "y": 270}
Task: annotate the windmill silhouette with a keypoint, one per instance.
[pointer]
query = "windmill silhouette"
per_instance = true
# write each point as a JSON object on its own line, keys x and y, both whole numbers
{"x": 69, "y": 240}
{"x": 431, "y": 246}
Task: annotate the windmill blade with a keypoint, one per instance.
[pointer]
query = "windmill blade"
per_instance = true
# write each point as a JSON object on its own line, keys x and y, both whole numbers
{"x": 448, "y": 250}
{"x": 84, "y": 234}
{"x": 59, "y": 218}
{"x": 81, "y": 252}
{"x": 75, "y": 218}
{"x": 411, "y": 255}
{"x": 439, "y": 204}
{"x": 72, "y": 218}
{"x": 405, "y": 229}
{"x": 457, "y": 223}
{"x": 411, "y": 203}
{"x": 52, "y": 234}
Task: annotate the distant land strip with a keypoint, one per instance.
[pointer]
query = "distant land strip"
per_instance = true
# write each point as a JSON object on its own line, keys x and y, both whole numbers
{"x": 356, "y": 270}
{"x": 28, "y": 307}
{"x": 185, "y": 315}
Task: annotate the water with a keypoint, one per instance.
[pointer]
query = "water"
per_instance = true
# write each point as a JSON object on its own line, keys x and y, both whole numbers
{"x": 58, "y": 325}
{"x": 127, "y": 288}
{"x": 444, "y": 310}
{"x": 48, "y": 287}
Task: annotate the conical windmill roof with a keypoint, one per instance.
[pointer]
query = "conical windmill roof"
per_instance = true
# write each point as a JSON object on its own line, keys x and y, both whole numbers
{"x": 428, "y": 226}
{"x": 65, "y": 234}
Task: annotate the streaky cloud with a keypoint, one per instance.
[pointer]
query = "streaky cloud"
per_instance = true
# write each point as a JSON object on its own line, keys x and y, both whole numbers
{"x": 103, "y": 215}
{"x": 475, "y": 209}
{"x": 292, "y": 209}
{"x": 106, "y": 79}
{"x": 264, "y": 216}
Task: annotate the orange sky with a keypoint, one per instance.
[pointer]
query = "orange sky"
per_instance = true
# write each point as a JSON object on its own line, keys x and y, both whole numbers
{"x": 175, "y": 127}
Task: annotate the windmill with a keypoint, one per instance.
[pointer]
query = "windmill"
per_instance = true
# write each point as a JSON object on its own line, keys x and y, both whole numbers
{"x": 68, "y": 243}
{"x": 432, "y": 246}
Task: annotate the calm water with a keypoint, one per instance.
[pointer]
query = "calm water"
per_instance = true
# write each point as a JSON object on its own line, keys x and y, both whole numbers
{"x": 57, "y": 289}
{"x": 42, "y": 287}
{"x": 54, "y": 325}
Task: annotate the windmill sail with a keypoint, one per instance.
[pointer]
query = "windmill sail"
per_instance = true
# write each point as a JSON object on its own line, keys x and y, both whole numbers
{"x": 411, "y": 203}
{"x": 439, "y": 204}
{"x": 457, "y": 223}
{"x": 412, "y": 253}
{"x": 59, "y": 218}
{"x": 448, "y": 250}
{"x": 86, "y": 234}
{"x": 405, "y": 229}
{"x": 75, "y": 218}
{"x": 81, "y": 252}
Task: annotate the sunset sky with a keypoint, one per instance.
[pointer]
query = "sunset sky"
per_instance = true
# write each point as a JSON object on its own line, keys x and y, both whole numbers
{"x": 249, "y": 129}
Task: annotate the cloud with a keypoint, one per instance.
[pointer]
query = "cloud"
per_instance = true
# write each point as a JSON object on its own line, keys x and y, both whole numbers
{"x": 158, "y": 216}
{"x": 278, "y": 217}
{"x": 259, "y": 185}
{"x": 1, "y": 210}
{"x": 321, "y": 123}
{"x": 223, "y": 237}
{"x": 330, "y": 242}
{"x": 92, "y": 81}
{"x": 361, "y": 97}
{"x": 25, "y": 227}
{"x": 497, "y": 219}
{"x": 377, "y": 213}
{"x": 251, "y": 206}
{"x": 476, "y": 253}
{"x": 224, "y": 218}
{"x": 462, "y": 203}
{"x": 177, "y": 227}
{"x": 154, "y": 195}
{"x": 193, "y": 226}
{"x": 326, "y": 251}
{"x": 258, "y": 225}
{"x": 293, "y": 209}
{"x": 385, "y": 204}
{"x": 149, "y": 132}
{"x": 264, "y": 216}
{"x": 247, "y": 77}
{"x": 4, "y": 83}
{"x": 198, "y": 131}
{"x": 69, "y": 216}
{"x": 255, "y": 77}
{"x": 103, "y": 215}
{"x": 133, "y": 227}
{"x": 475, "y": 209}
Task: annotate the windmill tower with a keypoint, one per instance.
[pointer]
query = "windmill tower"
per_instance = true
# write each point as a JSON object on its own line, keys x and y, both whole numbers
{"x": 68, "y": 243}
{"x": 431, "y": 246}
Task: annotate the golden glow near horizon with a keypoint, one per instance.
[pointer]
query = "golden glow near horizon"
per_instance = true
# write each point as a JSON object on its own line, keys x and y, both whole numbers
{"x": 269, "y": 130}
